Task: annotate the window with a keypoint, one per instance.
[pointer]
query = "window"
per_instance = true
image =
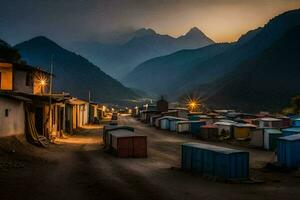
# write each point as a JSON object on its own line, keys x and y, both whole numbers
{"x": 6, "y": 112}
{"x": 29, "y": 81}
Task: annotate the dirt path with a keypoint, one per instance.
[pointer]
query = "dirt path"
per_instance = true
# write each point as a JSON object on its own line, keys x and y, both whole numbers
{"x": 77, "y": 168}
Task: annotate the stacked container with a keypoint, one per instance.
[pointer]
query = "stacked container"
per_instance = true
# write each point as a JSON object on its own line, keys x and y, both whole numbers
{"x": 220, "y": 162}
{"x": 288, "y": 151}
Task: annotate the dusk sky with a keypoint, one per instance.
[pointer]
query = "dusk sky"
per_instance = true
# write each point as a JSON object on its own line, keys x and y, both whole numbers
{"x": 79, "y": 20}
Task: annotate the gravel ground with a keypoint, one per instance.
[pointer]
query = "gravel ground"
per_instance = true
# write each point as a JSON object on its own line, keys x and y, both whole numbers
{"x": 78, "y": 168}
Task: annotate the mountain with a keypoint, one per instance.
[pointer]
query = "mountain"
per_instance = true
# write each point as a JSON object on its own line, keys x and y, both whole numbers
{"x": 203, "y": 72}
{"x": 267, "y": 82}
{"x": 155, "y": 74}
{"x": 73, "y": 73}
{"x": 119, "y": 59}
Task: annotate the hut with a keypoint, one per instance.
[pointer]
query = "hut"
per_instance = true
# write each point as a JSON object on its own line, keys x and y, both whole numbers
{"x": 195, "y": 127}
{"x": 242, "y": 131}
{"x": 269, "y": 122}
{"x": 288, "y": 151}
{"x": 257, "y": 137}
{"x": 209, "y": 132}
{"x": 296, "y": 122}
{"x": 270, "y": 138}
{"x": 182, "y": 126}
{"x": 173, "y": 123}
{"x": 225, "y": 127}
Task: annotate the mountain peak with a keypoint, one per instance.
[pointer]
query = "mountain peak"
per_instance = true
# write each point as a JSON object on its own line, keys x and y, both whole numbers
{"x": 42, "y": 40}
{"x": 194, "y": 31}
{"x": 144, "y": 32}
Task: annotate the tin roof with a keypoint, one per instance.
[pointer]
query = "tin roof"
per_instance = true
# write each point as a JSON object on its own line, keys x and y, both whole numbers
{"x": 213, "y": 148}
{"x": 272, "y": 131}
{"x": 292, "y": 129}
{"x": 269, "y": 119}
{"x": 294, "y": 137}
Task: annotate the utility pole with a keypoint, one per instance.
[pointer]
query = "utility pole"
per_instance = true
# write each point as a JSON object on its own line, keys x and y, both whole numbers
{"x": 89, "y": 96}
{"x": 50, "y": 95}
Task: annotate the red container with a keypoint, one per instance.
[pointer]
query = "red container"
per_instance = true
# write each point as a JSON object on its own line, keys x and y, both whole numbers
{"x": 128, "y": 144}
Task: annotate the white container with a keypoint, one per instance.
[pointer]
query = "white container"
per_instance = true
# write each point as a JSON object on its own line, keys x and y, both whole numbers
{"x": 182, "y": 126}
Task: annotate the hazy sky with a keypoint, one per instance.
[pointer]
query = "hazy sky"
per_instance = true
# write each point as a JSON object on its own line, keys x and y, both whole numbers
{"x": 72, "y": 20}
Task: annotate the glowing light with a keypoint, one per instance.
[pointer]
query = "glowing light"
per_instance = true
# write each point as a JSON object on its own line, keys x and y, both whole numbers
{"x": 193, "y": 104}
{"x": 43, "y": 82}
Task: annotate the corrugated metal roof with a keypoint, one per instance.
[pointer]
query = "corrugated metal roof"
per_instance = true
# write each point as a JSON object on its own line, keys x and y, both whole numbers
{"x": 294, "y": 137}
{"x": 292, "y": 129}
{"x": 272, "y": 131}
{"x": 213, "y": 148}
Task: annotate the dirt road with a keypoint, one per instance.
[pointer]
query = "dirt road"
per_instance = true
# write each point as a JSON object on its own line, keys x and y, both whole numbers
{"x": 77, "y": 168}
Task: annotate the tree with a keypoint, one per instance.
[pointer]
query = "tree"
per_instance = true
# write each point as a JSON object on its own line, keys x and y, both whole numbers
{"x": 294, "y": 107}
{"x": 8, "y": 53}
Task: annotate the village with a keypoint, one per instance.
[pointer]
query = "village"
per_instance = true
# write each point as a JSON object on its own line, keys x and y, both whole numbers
{"x": 158, "y": 149}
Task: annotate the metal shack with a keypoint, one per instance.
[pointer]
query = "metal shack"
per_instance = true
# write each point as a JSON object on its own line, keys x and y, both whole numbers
{"x": 290, "y": 131}
{"x": 183, "y": 127}
{"x": 242, "y": 131}
{"x": 209, "y": 132}
{"x": 153, "y": 118}
{"x": 220, "y": 162}
{"x": 128, "y": 144}
{"x": 257, "y": 137}
{"x": 270, "y": 138}
{"x": 168, "y": 121}
{"x": 296, "y": 122}
{"x": 269, "y": 122}
{"x": 288, "y": 151}
{"x": 195, "y": 127}
{"x": 225, "y": 127}
{"x": 173, "y": 123}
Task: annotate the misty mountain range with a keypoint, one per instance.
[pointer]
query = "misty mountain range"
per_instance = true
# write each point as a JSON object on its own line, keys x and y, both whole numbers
{"x": 204, "y": 71}
{"x": 119, "y": 59}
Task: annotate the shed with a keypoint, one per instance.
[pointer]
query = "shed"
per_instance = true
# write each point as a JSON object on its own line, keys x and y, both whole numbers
{"x": 257, "y": 137}
{"x": 269, "y": 122}
{"x": 242, "y": 131}
{"x": 270, "y": 138}
{"x": 182, "y": 126}
{"x": 173, "y": 123}
{"x": 209, "y": 132}
{"x": 195, "y": 127}
{"x": 225, "y": 127}
{"x": 153, "y": 118}
{"x": 215, "y": 161}
{"x": 296, "y": 122}
{"x": 290, "y": 131}
{"x": 288, "y": 151}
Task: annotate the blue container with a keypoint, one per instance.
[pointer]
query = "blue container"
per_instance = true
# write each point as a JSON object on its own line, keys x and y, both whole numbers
{"x": 195, "y": 126}
{"x": 290, "y": 131}
{"x": 288, "y": 150}
{"x": 296, "y": 122}
{"x": 215, "y": 161}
